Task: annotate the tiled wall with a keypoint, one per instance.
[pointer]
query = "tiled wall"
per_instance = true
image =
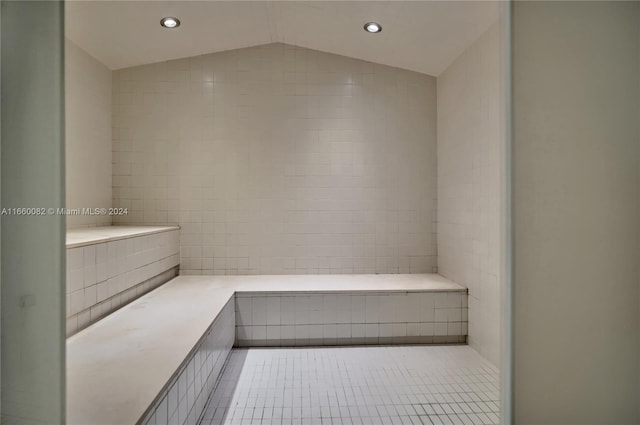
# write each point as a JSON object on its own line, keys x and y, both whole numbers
{"x": 87, "y": 136}
{"x": 184, "y": 399}
{"x": 105, "y": 276}
{"x": 280, "y": 160}
{"x": 268, "y": 319}
{"x": 469, "y": 184}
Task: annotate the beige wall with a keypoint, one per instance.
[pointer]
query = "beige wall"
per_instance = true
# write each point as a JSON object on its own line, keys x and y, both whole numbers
{"x": 88, "y": 135}
{"x": 576, "y": 212}
{"x": 277, "y": 159}
{"x": 32, "y": 247}
{"x": 469, "y": 184}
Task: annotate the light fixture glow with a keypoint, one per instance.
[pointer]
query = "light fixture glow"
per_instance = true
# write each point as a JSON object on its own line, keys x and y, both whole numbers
{"x": 170, "y": 22}
{"x": 372, "y": 27}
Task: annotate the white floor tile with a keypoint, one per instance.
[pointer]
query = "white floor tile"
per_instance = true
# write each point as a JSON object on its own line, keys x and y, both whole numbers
{"x": 356, "y": 385}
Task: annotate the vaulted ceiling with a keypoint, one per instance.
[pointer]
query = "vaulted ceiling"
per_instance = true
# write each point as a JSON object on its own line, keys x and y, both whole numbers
{"x": 423, "y": 36}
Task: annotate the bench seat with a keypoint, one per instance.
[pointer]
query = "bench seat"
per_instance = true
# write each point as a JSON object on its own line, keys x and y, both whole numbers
{"x": 156, "y": 360}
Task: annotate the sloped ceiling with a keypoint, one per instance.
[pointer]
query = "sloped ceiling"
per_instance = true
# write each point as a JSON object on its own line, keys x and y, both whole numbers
{"x": 423, "y": 36}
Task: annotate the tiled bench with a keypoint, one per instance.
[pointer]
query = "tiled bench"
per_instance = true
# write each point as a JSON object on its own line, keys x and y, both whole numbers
{"x": 108, "y": 267}
{"x": 156, "y": 360}
{"x": 350, "y": 310}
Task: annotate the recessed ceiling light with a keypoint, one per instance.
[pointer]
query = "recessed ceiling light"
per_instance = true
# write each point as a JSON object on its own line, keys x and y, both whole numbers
{"x": 170, "y": 22}
{"x": 372, "y": 27}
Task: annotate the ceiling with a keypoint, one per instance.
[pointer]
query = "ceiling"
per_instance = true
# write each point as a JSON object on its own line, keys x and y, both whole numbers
{"x": 423, "y": 36}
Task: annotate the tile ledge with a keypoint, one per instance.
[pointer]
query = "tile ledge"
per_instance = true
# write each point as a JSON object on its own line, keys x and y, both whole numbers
{"x": 84, "y": 236}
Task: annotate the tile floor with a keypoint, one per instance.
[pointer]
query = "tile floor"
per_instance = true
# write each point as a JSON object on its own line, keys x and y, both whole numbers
{"x": 356, "y": 385}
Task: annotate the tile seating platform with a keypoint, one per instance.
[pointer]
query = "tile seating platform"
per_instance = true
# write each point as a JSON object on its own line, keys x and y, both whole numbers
{"x": 156, "y": 360}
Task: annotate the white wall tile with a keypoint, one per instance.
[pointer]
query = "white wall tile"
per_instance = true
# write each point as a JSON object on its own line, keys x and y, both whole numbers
{"x": 258, "y": 311}
{"x": 244, "y": 332}
{"x": 400, "y": 329}
{"x": 90, "y": 275}
{"x": 89, "y": 255}
{"x": 357, "y": 309}
{"x": 316, "y": 331}
{"x": 301, "y": 331}
{"x": 415, "y": 307}
{"x": 372, "y": 309}
{"x": 101, "y": 253}
{"x": 287, "y": 310}
{"x": 454, "y": 315}
{"x": 343, "y": 331}
{"x": 306, "y": 327}
{"x": 330, "y": 331}
{"x": 274, "y": 333}
{"x": 386, "y": 330}
{"x": 440, "y": 329}
{"x": 287, "y": 332}
{"x": 441, "y": 315}
{"x": 259, "y": 332}
{"x": 75, "y": 280}
{"x": 413, "y": 329}
{"x": 75, "y": 258}
{"x": 469, "y": 183}
{"x": 102, "y": 271}
{"x": 273, "y": 310}
{"x": 426, "y": 302}
{"x": 400, "y": 307}
{"x": 357, "y": 331}
{"x": 316, "y": 302}
{"x": 454, "y": 300}
{"x": 77, "y": 301}
{"x": 90, "y": 296}
{"x": 243, "y": 311}
{"x": 325, "y": 178}
{"x": 386, "y": 308}
{"x": 98, "y": 273}
{"x": 318, "y": 317}
{"x": 343, "y": 312}
{"x": 427, "y": 329}
{"x": 371, "y": 330}
{"x": 330, "y": 308}
{"x": 83, "y": 318}
{"x": 440, "y": 300}
{"x": 301, "y": 310}
{"x": 172, "y": 399}
{"x": 87, "y": 136}
{"x": 72, "y": 324}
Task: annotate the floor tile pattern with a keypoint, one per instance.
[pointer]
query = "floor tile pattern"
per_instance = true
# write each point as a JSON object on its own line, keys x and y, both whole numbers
{"x": 356, "y": 385}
